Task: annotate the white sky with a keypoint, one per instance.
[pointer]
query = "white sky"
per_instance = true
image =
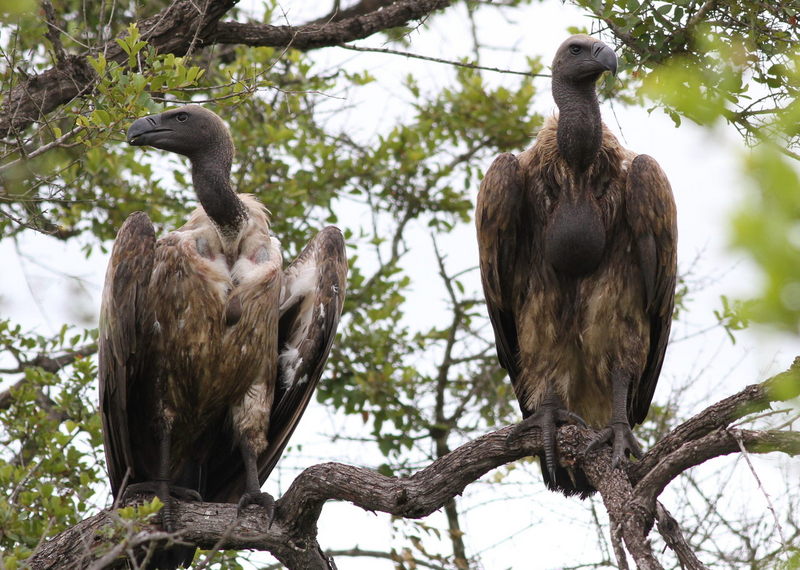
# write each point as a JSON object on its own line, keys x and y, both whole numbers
{"x": 703, "y": 168}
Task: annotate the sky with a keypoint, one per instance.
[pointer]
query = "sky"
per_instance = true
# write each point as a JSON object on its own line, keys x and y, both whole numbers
{"x": 46, "y": 283}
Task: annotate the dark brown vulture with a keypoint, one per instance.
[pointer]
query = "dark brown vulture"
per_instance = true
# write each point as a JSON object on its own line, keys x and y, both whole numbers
{"x": 209, "y": 349}
{"x": 577, "y": 240}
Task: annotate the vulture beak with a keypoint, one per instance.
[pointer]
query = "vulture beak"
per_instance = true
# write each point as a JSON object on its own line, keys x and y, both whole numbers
{"x": 145, "y": 131}
{"x": 605, "y": 56}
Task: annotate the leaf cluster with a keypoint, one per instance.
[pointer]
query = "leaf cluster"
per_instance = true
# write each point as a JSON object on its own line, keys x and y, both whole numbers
{"x": 50, "y": 442}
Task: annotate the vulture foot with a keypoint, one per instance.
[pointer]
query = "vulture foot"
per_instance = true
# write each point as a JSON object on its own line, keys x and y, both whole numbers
{"x": 547, "y": 418}
{"x": 258, "y": 498}
{"x": 167, "y": 494}
{"x": 622, "y": 440}
{"x": 153, "y": 488}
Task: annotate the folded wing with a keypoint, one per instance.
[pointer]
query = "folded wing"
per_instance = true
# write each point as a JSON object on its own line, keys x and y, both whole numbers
{"x": 124, "y": 318}
{"x": 312, "y": 300}
{"x": 651, "y": 214}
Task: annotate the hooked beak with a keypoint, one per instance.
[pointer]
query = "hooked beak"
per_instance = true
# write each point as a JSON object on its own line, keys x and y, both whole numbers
{"x": 605, "y": 56}
{"x": 145, "y": 131}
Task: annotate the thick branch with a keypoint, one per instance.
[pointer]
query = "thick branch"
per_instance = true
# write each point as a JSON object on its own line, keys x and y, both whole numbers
{"x": 184, "y": 26}
{"x": 754, "y": 398}
{"x": 364, "y": 7}
{"x": 292, "y": 538}
{"x": 715, "y": 444}
{"x": 313, "y": 36}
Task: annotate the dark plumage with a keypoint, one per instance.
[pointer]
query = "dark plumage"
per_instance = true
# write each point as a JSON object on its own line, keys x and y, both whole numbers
{"x": 577, "y": 240}
{"x": 209, "y": 350}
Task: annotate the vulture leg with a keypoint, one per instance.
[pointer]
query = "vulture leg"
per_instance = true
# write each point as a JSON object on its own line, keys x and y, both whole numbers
{"x": 619, "y": 430}
{"x": 161, "y": 486}
{"x": 550, "y": 414}
{"x": 252, "y": 492}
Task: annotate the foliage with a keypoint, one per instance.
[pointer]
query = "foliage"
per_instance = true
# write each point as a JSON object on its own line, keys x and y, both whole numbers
{"x": 51, "y": 438}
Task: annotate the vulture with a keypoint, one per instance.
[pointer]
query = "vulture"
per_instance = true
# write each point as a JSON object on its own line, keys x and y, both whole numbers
{"x": 209, "y": 349}
{"x": 577, "y": 241}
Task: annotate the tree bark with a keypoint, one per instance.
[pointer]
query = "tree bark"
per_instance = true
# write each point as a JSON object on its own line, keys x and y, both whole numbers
{"x": 187, "y": 25}
{"x": 628, "y": 494}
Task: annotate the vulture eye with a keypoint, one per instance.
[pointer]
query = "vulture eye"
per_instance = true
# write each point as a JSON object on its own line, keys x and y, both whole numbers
{"x": 574, "y": 49}
{"x": 181, "y": 117}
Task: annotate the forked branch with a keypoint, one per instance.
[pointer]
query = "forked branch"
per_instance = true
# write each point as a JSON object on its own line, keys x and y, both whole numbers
{"x": 629, "y": 497}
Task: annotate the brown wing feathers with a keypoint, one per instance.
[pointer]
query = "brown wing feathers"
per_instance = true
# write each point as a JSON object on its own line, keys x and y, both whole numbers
{"x": 123, "y": 346}
{"x": 650, "y": 211}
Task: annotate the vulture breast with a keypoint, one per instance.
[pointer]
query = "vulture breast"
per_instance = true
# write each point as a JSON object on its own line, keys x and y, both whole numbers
{"x": 575, "y": 237}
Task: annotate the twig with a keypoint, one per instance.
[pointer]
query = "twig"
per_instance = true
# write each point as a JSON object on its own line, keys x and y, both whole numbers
{"x": 440, "y": 60}
{"x": 42, "y": 149}
{"x": 616, "y": 545}
{"x": 738, "y": 437}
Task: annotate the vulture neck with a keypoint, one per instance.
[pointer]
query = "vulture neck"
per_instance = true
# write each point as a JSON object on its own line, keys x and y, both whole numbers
{"x": 213, "y": 187}
{"x": 580, "y": 127}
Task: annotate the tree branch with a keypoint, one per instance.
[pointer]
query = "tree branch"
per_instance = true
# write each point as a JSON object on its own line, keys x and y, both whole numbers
{"x": 313, "y": 36}
{"x": 715, "y": 444}
{"x": 671, "y": 533}
{"x": 182, "y": 27}
{"x": 292, "y": 537}
{"x": 752, "y": 399}
{"x": 49, "y": 362}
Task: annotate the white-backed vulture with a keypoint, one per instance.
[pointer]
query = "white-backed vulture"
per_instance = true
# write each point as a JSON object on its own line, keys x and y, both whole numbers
{"x": 209, "y": 349}
{"x": 577, "y": 240}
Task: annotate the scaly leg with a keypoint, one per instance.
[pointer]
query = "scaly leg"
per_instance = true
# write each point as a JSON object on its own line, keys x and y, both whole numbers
{"x": 252, "y": 494}
{"x": 550, "y": 414}
{"x": 619, "y": 430}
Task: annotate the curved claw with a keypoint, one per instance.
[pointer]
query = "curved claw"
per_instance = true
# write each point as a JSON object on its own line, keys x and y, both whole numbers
{"x": 623, "y": 443}
{"x": 258, "y": 498}
{"x": 547, "y": 418}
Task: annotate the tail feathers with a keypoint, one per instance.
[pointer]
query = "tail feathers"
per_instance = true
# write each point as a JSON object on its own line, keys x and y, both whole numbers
{"x": 568, "y": 481}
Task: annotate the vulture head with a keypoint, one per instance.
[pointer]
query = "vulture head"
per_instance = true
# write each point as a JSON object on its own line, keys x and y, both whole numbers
{"x": 578, "y": 64}
{"x": 192, "y": 131}
{"x": 582, "y": 59}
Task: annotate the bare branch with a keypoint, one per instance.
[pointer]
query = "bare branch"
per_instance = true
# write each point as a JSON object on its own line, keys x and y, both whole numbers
{"x": 313, "y": 36}
{"x": 292, "y": 538}
{"x": 754, "y": 398}
{"x": 445, "y": 61}
{"x": 393, "y": 556}
{"x": 361, "y": 9}
{"x": 715, "y": 444}
{"x": 178, "y": 29}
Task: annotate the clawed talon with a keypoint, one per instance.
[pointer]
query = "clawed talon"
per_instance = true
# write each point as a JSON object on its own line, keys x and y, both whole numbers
{"x": 152, "y": 488}
{"x": 557, "y": 417}
{"x": 258, "y": 498}
{"x": 166, "y": 493}
{"x": 622, "y": 440}
{"x": 547, "y": 418}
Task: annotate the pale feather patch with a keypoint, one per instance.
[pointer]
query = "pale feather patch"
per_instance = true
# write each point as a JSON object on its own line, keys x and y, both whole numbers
{"x": 301, "y": 282}
{"x": 291, "y": 358}
{"x": 290, "y": 361}
{"x": 251, "y": 415}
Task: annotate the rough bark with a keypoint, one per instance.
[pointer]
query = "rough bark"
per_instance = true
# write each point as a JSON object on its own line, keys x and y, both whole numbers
{"x": 628, "y": 495}
{"x": 185, "y": 26}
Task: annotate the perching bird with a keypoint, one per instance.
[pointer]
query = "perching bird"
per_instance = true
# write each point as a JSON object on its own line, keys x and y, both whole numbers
{"x": 577, "y": 240}
{"x": 209, "y": 350}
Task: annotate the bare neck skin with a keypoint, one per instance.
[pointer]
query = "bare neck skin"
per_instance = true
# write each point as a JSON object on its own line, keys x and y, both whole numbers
{"x": 211, "y": 177}
{"x": 580, "y": 127}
